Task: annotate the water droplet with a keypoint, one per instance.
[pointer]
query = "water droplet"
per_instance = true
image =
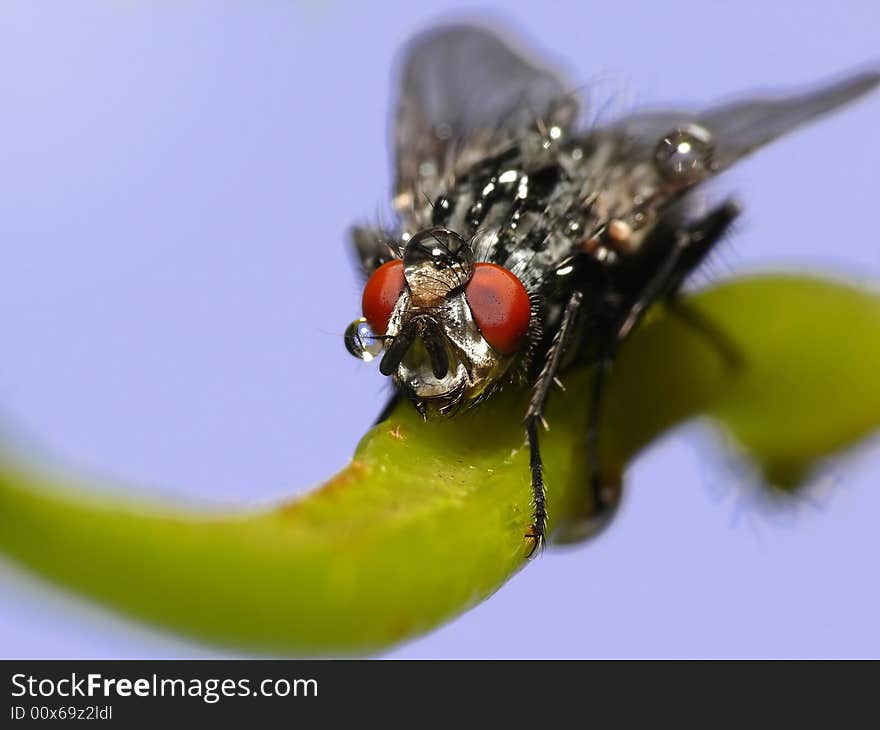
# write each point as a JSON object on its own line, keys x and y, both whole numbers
{"x": 436, "y": 261}
{"x": 685, "y": 154}
{"x": 361, "y": 342}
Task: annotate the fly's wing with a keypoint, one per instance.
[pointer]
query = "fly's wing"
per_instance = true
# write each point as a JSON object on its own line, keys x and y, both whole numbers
{"x": 740, "y": 127}
{"x": 734, "y": 130}
{"x": 464, "y": 91}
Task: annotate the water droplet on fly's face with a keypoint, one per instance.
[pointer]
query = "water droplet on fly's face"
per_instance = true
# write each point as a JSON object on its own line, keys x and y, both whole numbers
{"x": 361, "y": 342}
{"x": 435, "y": 262}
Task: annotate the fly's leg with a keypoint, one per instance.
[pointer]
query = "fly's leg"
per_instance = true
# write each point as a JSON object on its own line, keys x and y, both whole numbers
{"x": 703, "y": 236}
{"x": 535, "y": 419}
{"x": 689, "y": 249}
{"x": 605, "y": 496}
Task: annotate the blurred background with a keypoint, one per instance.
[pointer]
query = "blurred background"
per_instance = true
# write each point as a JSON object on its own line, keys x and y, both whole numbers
{"x": 176, "y": 182}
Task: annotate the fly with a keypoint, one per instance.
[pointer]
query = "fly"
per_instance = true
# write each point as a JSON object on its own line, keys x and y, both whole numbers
{"x": 525, "y": 246}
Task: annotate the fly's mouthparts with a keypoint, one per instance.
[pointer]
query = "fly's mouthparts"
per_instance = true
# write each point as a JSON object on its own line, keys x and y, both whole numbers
{"x": 420, "y": 341}
{"x": 435, "y": 344}
{"x": 397, "y": 349}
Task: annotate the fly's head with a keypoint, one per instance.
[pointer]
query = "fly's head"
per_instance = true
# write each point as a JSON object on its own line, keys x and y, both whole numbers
{"x": 447, "y": 328}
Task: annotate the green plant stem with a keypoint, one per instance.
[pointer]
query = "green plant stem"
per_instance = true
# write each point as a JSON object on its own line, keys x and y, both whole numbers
{"x": 429, "y": 518}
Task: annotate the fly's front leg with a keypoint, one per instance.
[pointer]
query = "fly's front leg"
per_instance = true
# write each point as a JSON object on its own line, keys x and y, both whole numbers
{"x": 535, "y": 419}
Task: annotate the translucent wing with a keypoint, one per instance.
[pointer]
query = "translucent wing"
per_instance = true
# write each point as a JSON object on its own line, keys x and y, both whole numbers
{"x": 740, "y": 127}
{"x": 665, "y": 154}
{"x": 463, "y": 89}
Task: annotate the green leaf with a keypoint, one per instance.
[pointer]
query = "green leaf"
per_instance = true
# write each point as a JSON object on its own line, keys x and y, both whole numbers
{"x": 429, "y": 518}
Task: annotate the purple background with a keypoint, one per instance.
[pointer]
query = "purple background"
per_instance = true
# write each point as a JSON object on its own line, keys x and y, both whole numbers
{"x": 175, "y": 183}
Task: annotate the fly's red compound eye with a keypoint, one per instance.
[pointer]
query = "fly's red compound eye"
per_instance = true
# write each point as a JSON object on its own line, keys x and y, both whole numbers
{"x": 381, "y": 294}
{"x": 500, "y": 306}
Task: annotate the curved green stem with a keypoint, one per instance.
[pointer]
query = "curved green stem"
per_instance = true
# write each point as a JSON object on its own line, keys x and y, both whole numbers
{"x": 429, "y": 518}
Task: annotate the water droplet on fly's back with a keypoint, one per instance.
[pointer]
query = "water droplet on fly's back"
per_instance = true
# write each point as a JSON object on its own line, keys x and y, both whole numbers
{"x": 685, "y": 154}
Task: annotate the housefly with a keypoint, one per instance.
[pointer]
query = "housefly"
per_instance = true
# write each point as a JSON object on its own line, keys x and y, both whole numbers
{"x": 524, "y": 245}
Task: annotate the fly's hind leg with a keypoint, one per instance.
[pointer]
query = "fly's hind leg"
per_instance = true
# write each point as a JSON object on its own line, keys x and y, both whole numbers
{"x": 703, "y": 236}
{"x": 605, "y": 493}
{"x": 689, "y": 248}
